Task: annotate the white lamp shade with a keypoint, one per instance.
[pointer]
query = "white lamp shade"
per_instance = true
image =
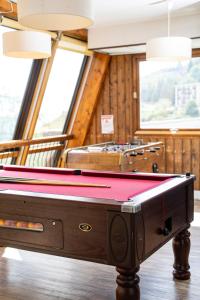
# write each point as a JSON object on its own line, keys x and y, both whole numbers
{"x": 27, "y": 44}
{"x": 55, "y": 15}
{"x": 169, "y": 49}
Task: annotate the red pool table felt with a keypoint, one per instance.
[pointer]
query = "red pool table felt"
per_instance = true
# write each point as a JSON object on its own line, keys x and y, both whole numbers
{"x": 120, "y": 189}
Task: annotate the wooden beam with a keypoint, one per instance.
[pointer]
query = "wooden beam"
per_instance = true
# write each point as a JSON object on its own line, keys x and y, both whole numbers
{"x": 88, "y": 98}
{"x": 81, "y": 34}
{"x": 6, "y": 7}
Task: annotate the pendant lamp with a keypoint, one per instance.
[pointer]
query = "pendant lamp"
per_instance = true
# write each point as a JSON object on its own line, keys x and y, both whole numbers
{"x": 169, "y": 48}
{"x": 27, "y": 44}
{"x": 56, "y": 15}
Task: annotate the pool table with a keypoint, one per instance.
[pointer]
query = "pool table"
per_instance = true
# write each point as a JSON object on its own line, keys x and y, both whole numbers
{"x": 118, "y": 219}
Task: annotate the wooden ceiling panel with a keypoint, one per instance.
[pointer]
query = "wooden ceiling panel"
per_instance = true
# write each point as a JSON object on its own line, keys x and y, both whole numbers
{"x": 6, "y": 7}
{"x": 81, "y": 34}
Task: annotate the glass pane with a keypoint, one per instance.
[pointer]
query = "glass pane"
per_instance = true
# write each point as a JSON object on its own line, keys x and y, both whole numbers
{"x": 13, "y": 80}
{"x": 59, "y": 93}
{"x": 170, "y": 94}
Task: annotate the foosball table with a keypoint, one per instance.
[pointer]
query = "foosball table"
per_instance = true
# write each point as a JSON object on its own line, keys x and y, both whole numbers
{"x": 110, "y": 156}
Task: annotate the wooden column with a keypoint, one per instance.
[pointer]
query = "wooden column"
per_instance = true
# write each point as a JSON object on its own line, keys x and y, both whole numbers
{"x": 88, "y": 97}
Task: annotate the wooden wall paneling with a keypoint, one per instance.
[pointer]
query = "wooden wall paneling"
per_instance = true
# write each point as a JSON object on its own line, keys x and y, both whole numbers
{"x": 106, "y": 106}
{"x": 162, "y": 168}
{"x": 88, "y": 99}
{"x": 99, "y": 112}
{"x": 178, "y": 155}
{"x": 113, "y": 94}
{"x": 146, "y": 139}
{"x": 186, "y": 160}
{"x": 182, "y": 151}
{"x": 106, "y": 95}
{"x": 195, "y": 160}
{"x": 136, "y": 89}
{"x": 169, "y": 155}
{"x": 129, "y": 98}
{"x": 121, "y": 103}
{"x": 94, "y": 131}
{"x": 150, "y": 139}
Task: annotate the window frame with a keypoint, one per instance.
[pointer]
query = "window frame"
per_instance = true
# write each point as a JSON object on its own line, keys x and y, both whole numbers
{"x": 72, "y": 105}
{"x": 36, "y": 85}
{"x": 35, "y": 72}
{"x": 75, "y": 94}
{"x": 160, "y": 131}
{"x": 26, "y": 98}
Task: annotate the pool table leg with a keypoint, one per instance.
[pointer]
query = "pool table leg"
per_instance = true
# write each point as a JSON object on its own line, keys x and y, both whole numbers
{"x": 181, "y": 248}
{"x": 128, "y": 284}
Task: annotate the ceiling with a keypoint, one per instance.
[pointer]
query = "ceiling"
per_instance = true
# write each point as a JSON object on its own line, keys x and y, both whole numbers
{"x": 116, "y": 20}
{"x": 124, "y": 26}
{"x": 115, "y": 12}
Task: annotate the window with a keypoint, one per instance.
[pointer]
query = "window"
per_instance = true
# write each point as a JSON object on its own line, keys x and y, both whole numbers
{"x": 59, "y": 93}
{"x": 170, "y": 94}
{"x": 13, "y": 80}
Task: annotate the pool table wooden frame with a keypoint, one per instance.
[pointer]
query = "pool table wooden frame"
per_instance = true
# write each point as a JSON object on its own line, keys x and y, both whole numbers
{"x": 122, "y": 234}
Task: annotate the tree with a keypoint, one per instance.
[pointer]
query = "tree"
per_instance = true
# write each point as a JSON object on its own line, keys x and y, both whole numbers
{"x": 192, "y": 109}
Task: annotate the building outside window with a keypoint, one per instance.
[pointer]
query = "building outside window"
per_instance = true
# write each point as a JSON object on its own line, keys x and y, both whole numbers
{"x": 170, "y": 94}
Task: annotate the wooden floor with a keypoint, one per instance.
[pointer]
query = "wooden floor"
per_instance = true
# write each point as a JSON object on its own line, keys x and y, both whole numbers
{"x": 33, "y": 276}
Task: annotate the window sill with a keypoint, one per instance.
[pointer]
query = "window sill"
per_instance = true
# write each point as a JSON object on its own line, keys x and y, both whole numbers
{"x": 161, "y": 132}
